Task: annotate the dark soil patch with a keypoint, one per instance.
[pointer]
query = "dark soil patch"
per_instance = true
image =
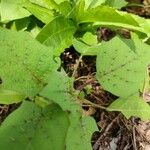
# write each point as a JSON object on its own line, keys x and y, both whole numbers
{"x": 5, "y": 110}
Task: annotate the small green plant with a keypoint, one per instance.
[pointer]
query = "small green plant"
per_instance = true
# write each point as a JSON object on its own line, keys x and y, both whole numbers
{"x": 50, "y": 116}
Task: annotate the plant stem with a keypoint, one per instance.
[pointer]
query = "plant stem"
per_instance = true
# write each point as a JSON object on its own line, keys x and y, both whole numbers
{"x": 92, "y": 104}
{"x": 76, "y": 66}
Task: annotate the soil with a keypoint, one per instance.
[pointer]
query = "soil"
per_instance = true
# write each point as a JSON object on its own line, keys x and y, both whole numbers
{"x": 115, "y": 131}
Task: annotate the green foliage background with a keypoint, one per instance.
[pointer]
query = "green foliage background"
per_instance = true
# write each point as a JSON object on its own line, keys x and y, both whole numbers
{"x": 50, "y": 116}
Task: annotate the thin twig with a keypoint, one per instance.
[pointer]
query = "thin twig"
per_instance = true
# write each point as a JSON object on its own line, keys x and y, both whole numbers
{"x": 134, "y": 139}
{"x": 97, "y": 144}
{"x": 92, "y": 104}
{"x": 111, "y": 124}
{"x": 76, "y": 66}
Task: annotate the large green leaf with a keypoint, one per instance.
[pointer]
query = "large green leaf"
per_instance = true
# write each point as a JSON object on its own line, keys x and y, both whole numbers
{"x": 107, "y": 16}
{"x": 103, "y": 13}
{"x": 33, "y": 128}
{"x": 131, "y": 106}
{"x": 25, "y": 63}
{"x": 58, "y": 34}
{"x": 11, "y": 10}
{"x": 60, "y": 90}
{"x": 42, "y": 13}
{"x": 121, "y": 66}
{"x": 116, "y": 3}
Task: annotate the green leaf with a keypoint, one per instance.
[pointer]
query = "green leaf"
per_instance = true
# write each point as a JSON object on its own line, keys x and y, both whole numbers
{"x": 82, "y": 129}
{"x": 25, "y": 63}
{"x": 77, "y": 10}
{"x": 56, "y": 4}
{"x": 116, "y": 3}
{"x": 20, "y": 24}
{"x": 89, "y": 38}
{"x": 65, "y": 8}
{"x": 39, "y": 2}
{"x": 42, "y": 102}
{"x": 10, "y": 97}
{"x": 58, "y": 34}
{"x": 42, "y": 13}
{"x": 86, "y": 49}
{"x": 32, "y": 127}
{"x": 103, "y": 13}
{"x": 143, "y": 23}
{"x": 35, "y": 31}
{"x": 93, "y": 3}
{"x": 87, "y": 45}
{"x": 131, "y": 106}
{"x": 60, "y": 90}
{"x": 100, "y": 16}
{"x": 121, "y": 66}
{"x": 51, "y": 4}
{"x": 60, "y": 1}
{"x": 11, "y": 10}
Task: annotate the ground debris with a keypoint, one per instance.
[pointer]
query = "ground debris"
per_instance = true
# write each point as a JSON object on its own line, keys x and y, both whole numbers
{"x": 116, "y": 132}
